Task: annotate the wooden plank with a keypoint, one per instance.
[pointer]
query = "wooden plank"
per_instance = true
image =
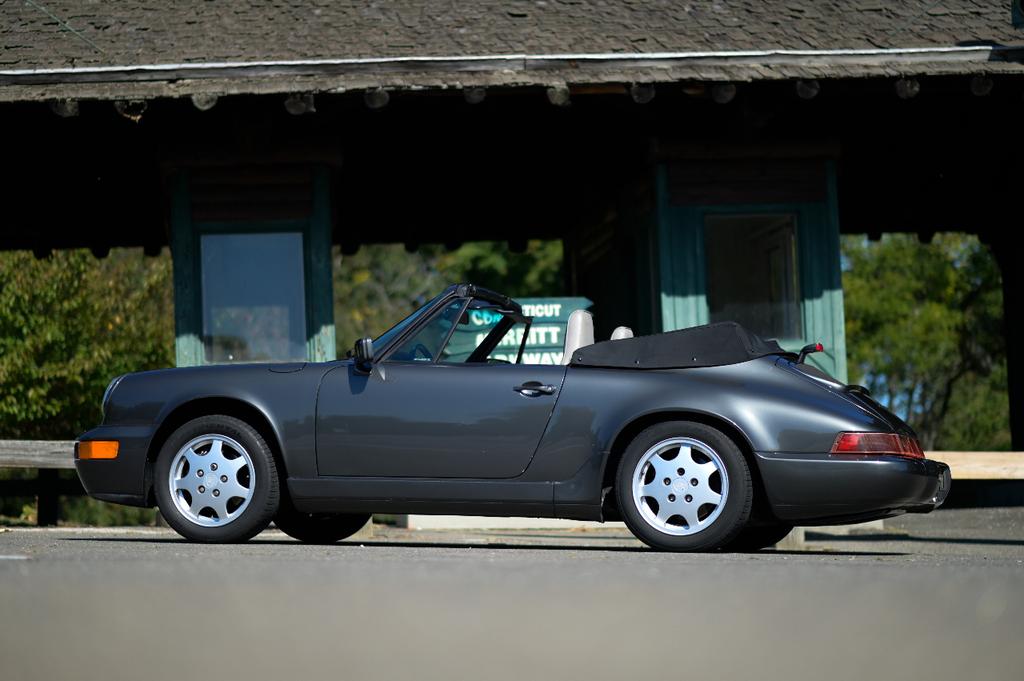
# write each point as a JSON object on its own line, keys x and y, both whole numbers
{"x": 37, "y": 454}
{"x": 964, "y": 465}
{"x": 982, "y": 465}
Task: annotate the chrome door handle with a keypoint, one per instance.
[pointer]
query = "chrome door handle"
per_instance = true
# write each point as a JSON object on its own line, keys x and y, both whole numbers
{"x": 534, "y": 389}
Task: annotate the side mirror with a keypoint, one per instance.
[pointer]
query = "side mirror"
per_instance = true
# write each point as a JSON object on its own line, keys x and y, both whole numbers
{"x": 364, "y": 354}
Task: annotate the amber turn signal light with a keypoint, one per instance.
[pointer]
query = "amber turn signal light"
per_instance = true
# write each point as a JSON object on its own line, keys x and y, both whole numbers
{"x": 98, "y": 449}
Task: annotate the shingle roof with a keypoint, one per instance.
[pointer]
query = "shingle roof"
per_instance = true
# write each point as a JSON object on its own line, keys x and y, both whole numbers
{"x": 83, "y": 34}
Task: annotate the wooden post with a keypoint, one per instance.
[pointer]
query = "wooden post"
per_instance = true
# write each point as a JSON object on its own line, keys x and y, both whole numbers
{"x": 1006, "y": 256}
{"x": 48, "y": 497}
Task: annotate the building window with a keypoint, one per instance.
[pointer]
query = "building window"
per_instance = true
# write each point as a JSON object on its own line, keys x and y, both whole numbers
{"x": 253, "y": 297}
{"x": 752, "y": 273}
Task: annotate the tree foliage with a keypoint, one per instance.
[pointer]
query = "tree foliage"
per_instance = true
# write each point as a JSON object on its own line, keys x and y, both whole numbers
{"x": 924, "y": 333}
{"x": 381, "y": 284}
{"x": 68, "y": 324}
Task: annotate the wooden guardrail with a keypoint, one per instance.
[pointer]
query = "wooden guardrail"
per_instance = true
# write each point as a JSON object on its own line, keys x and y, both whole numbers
{"x": 56, "y": 454}
{"x": 982, "y": 465}
{"x": 50, "y": 456}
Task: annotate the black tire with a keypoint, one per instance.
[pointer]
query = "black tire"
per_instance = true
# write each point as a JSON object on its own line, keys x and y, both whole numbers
{"x": 264, "y": 498}
{"x": 757, "y": 538}
{"x": 731, "y": 518}
{"x": 318, "y": 528}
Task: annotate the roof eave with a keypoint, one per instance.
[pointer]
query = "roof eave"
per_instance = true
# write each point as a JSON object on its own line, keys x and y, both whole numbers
{"x": 143, "y": 81}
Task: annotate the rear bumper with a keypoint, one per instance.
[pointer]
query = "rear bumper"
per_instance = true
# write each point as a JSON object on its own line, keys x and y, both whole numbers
{"x": 823, "y": 489}
{"x": 124, "y": 480}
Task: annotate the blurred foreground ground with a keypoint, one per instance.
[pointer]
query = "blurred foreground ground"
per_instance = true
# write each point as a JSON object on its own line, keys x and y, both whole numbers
{"x": 932, "y": 597}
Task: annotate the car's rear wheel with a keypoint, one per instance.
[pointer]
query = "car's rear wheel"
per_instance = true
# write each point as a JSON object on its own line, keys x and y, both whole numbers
{"x": 757, "y": 538}
{"x": 684, "y": 486}
{"x": 319, "y": 528}
{"x": 216, "y": 480}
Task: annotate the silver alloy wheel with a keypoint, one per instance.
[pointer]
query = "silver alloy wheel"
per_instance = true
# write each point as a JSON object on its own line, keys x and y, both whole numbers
{"x": 680, "y": 486}
{"x": 212, "y": 479}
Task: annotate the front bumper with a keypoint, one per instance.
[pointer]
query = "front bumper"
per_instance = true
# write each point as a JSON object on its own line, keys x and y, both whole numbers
{"x": 825, "y": 489}
{"x": 124, "y": 480}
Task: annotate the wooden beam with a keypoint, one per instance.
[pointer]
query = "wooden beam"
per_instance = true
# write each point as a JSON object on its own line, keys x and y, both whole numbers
{"x": 132, "y": 109}
{"x": 48, "y": 498}
{"x": 1013, "y": 284}
{"x": 642, "y": 93}
{"x": 37, "y": 454}
{"x": 982, "y": 465}
{"x": 377, "y": 98}
{"x": 559, "y": 95}
{"x": 723, "y": 93}
{"x": 907, "y": 88}
{"x": 65, "y": 108}
{"x": 807, "y": 89}
{"x": 474, "y": 95}
{"x": 981, "y": 85}
{"x": 299, "y": 103}
{"x": 204, "y": 102}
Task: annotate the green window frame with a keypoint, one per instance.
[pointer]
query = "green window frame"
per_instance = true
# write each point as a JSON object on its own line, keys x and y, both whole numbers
{"x": 317, "y": 276}
{"x": 682, "y": 275}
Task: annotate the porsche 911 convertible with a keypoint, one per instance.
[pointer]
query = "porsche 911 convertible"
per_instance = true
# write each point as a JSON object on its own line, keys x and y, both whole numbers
{"x": 700, "y": 439}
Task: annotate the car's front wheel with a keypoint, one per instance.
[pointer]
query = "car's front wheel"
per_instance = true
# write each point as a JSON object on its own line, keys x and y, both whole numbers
{"x": 684, "y": 486}
{"x": 216, "y": 480}
{"x": 319, "y": 528}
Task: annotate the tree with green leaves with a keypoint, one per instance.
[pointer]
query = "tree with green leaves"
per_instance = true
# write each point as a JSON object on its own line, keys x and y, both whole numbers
{"x": 68, "y": 324}
{"x": 924, "y": 334}
{"x": 381, "y": 284}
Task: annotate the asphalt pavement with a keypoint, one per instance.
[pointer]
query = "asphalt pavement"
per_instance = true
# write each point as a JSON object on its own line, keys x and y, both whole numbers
{"x": 929, "y": 597}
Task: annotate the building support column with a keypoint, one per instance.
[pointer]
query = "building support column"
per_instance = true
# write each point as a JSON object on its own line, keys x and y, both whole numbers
{"x": 1006, "y": 256}
{"x": 48, "y": 497}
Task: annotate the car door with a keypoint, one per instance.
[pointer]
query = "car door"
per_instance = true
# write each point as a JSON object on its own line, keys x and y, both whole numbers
{"x": 437, "y": 407}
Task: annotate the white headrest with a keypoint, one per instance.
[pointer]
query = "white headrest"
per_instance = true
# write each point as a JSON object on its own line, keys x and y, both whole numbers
{"x": 621, "y": 332}
{"x": 579, "y": 333}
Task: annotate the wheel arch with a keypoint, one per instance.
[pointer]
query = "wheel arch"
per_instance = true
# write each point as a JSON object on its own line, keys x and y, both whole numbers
{"x": 761, "y": 509}
{"x": 209, "y": 406}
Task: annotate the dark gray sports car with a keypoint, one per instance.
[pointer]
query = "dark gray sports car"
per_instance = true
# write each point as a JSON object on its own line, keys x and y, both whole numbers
{"x": 706, "y": 438}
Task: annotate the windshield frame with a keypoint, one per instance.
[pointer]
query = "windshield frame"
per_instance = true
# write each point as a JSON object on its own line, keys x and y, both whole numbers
{"x": 383, "y": 341}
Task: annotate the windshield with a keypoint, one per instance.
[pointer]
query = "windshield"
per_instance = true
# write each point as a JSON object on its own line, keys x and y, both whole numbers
{"x": 401, "y": 326}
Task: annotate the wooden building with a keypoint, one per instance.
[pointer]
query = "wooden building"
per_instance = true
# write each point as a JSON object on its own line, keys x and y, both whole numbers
{"x": 699, "y": 159}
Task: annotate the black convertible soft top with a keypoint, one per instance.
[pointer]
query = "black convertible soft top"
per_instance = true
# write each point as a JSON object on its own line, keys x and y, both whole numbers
{"x": 701, "y": 346}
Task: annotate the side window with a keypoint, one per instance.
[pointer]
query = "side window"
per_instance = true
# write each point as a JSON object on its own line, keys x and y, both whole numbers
{"x": 425, "y": 345}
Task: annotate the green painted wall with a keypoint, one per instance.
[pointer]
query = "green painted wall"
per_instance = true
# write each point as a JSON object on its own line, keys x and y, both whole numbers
{"x": 681, "y": 275}
{"x": 318, "y": 284}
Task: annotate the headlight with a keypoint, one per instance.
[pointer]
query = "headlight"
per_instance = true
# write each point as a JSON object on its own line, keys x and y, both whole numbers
{"x": 109, "y": 391}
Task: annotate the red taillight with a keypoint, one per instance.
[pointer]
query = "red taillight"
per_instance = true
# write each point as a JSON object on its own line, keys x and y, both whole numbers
{"x": 877, "y": 443}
